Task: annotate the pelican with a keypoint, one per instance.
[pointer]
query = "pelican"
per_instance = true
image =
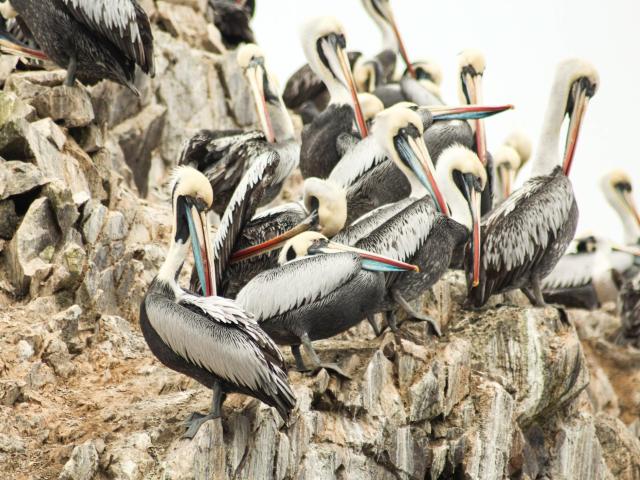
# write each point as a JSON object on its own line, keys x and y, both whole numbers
{"x": 419, "y": 233}
{"x": 92, "y": 40}
{"x": 243, "y": 249}
{"x": 422, "y": 89}
{"x": 319, "y": 290}
{"x": 508, "y": 160}
{"x": 524, "y": 237}
{"x": 629, "y": 309}
{"x": 225, "y": 156}
{"x": 210, "y": 339}
{"x": 617, "y": 189}
{"x": 592, "y": 275}
{"x": 232, "y": 19}
{"x": 324, "y": 45}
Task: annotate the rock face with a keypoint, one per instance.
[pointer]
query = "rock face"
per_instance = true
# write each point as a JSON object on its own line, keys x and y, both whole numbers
{"x": 507, "y": 392}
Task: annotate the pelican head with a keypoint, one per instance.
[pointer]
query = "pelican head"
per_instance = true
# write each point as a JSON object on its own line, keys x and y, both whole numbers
{"x": 382, "y": 13}
{"x": 314, "y": 243}
{"x": 463, "y": 178}
{"x": 428, "y": 74}
{"x": 618, "y": 190}
{"x": 7, "y": 10}
{"x": 274, "y": 118}
{"x": 371, "y": 106}
{"x": 521, "y": 143}
{"x": 507, "y": 163}
{"x": 192, "y": 197}
{"x": 367, "y": 74}
{"x": 578, "y": 80}
{"x": 399, "y": 131}
{"x": 326, "y": 203}
{"x": 324, "y": 43}
{"x": 471, "y": 66}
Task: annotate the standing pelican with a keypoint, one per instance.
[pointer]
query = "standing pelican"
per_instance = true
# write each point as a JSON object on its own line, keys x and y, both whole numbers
{"x": 525, "y": 237}
{"x": 320, "y": 290}
{"x": 92, "y": 40}
{"x": 210, "y": 339}
{"x": 225, "y": 156}
{"x": 422, "y": 235}
{"x": 617, "y": 189}
{"x": 508, "y": 160}
{"x": 324, "y": 45}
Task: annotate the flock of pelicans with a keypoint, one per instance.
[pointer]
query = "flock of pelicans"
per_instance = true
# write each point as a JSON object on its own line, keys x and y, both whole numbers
{"x": 398, "y": 188}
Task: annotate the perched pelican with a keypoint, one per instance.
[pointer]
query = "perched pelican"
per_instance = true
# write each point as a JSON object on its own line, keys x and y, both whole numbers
{"x": 422, "y": 235}
{"x": 324, "y": 45}
{"x": 232, "y": 19}
{"x": 225, "y": 156}
{"x": 508, "y": 160}
{"x": 382, "y": 14}
{"x": 423, "y": 89}
{"x": 525, "y": 237}
{"x": 92, "y": 40}
{"x": 618, "y": 191}
{"x": 629, "y": 308}
{"x": 320, "y": 290}
{"x": 592, "y": 275}
{"x": 245, "y": 248}
{"x": 210, "y": 339}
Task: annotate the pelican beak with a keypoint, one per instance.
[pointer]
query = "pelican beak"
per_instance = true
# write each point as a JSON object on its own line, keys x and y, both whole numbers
{"x": 581, "y": 92}
{"x": 472, "y": 89}
{"x": 201, "y": 245}
{"x": 10, "y": 46}
{"x": 370, "y": 261}
{"x": 256, "y": 75}
{"x": 635, "y": 251}
{"x": 413, "y": 152}
{"x": 473, "y": 194}
{"x": 403, "y": 51}
{"x": 466, "y": 112}
{"x": 631, "y": 204}
{"x": 336, "y": 52}
{"x": 276, "y": 242}
{"x": 507, "y": 177}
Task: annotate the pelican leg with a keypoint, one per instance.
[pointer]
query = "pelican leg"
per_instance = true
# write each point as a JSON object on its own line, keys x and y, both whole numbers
{"x": 534, "y": 293}
{"x": 317, "y": 364}
{"x": 300, "y": 366}
{"x": 391, "y": 321}
{"x": 196, "y": 420}
{"x": 372, "y": 321}
{"x": 71, "y": 71}
{"x": 397, "y": 296}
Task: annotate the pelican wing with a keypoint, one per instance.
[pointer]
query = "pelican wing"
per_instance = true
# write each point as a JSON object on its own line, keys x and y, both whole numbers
{"x": 404, "y": 233}
{"x": 217, "y": 335}
{"x": 302, "y": 86}
{"x": 243, "y": 205}
{"x": 517, "y": 233}
{"x": 573, "y": 270}
{"x": 297, "y": 283}
{"x": 367, "y": 223}
{"x": 123, "y": 22}
{"x": 364, "y": 156}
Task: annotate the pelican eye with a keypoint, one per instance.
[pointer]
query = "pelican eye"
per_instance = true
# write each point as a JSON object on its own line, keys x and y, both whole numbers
{"x": 291, "y": 254}
{"x": 623, "y": 186}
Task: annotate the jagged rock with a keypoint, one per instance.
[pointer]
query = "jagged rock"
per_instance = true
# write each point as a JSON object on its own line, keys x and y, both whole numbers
{"x": 138, "y": 137}
{"x": 184, "y": 23}
{"x": 10, "y": 391}
{"x": 621, "y": 448}
{"x": 11, "y": 444}
{"x": 63, "y": 204}
{"x": 240, "y": 103}
{"x": 17, "y": 178}
{"x": 31, "y": 250}
{"x": 130, "y": 459}
{"x": 83, "y": 463}
{"x": 51, "y": 131}
{"x": 69, "y": 105}
{"x": 10, "y": 219}
{"x": 57, "y": 355}
{"x": 118, "y": 333}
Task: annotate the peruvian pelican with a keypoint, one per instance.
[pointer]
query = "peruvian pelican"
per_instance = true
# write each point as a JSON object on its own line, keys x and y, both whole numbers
{"x": 319, "y": 290}
{"x": 225, "y": 156}
{"x": 423, "y": 89}
{"x": 508, "y": 160}
{"x": 210, "y": 339}
{"x": 416, "y": 232}
{"x": 92, "y": 40}
{"x": 592, "y": 275}
{"x": 525, "y": 236}
{"x": 232, "y": 19}
{"x": 324, "y": 45}
{"x": 617, "y": 189}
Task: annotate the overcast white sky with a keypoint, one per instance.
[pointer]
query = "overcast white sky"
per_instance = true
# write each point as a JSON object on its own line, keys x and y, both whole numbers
{"x": 522, "y": 42}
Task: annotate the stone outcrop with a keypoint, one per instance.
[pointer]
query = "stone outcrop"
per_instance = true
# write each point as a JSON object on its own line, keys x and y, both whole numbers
{"x": 507, "y": 392}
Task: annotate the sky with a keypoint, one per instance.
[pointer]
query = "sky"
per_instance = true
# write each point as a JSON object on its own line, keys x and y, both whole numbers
{"x": 522, "y": 41}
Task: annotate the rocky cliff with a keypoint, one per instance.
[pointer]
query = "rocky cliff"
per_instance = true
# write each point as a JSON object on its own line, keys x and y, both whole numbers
{"x": 507, "y": 392}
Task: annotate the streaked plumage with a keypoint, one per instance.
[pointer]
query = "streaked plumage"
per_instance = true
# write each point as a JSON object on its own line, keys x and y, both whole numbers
{"x": 93, "y": 39}
{"x": 629, "y": 308}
